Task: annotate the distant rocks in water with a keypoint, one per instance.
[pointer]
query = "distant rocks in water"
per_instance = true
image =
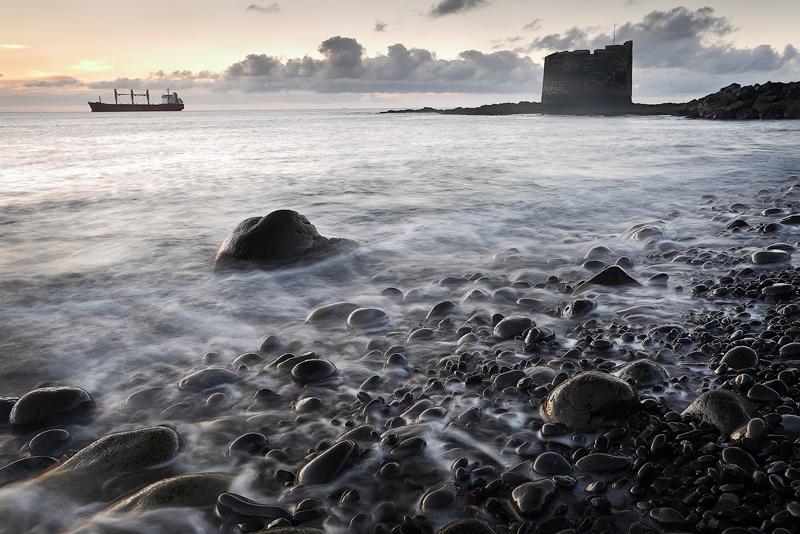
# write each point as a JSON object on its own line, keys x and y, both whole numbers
{"x": 44, "y": 406}
{"x": 612, "y": 276}
{"x": 722, "y": 408}
{"x": 283, "y": 237}
{"x": 587, "y": 399}
{"x": 772, "y": 100}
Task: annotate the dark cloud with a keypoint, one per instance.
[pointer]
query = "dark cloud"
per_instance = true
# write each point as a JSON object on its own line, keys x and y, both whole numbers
{"x": 380, "y": 26}
{"x": 450, "y": 7}
{"x": 272, "y": 8}
{"x": 532, "y": 26}
{"x": 679, "y": 38}
{"x": 53, "y": 81}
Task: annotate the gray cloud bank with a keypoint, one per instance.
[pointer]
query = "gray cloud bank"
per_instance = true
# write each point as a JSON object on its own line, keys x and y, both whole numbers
{"x": 678, "y": 38}
{"x": 345, "y": 68}
{"x": 272, "y": 8}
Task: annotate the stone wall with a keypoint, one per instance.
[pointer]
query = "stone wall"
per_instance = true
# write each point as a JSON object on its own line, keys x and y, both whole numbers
{"x": 584, "y": 78}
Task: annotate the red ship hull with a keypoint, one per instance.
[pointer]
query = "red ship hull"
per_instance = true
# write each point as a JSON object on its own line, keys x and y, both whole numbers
{"x": 101, "y": 106}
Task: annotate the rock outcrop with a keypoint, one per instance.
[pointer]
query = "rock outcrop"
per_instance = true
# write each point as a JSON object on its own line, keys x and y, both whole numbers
{"x": 280, "y": 238}
{"x": 772, "y": 100}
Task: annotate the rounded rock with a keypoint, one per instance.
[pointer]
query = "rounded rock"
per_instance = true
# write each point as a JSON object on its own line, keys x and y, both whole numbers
{"x": 740, "y": 357}
{"x": 724, "y": 409}
{"x": 585, "y": 400}
{"x": 513, "y": 326}
{"x": 208, "y": 379}
{"x": 312, "y": 371}
{"x": 50, "y": 442}
{"x": 551, "y": 463}
{"x": 44, "y": 406}
{"x": 329, "y": 464}
{"x": 643, "y": 372}
{"x": 367, "y": 319}
{"x": 469, "y": 525}
{"x": 769, "y": 256}
{"x": 532, "y": 498}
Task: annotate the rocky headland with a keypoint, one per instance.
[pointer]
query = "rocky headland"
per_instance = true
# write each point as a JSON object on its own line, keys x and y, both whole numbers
{"x": 771, "y": 100}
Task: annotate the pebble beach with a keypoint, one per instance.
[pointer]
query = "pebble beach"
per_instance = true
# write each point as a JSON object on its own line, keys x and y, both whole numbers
{"x": 644, "y": 380}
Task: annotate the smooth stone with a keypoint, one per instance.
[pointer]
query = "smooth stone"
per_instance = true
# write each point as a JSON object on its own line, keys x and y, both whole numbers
{"x": 740, "y": 357}
{"x": 46, "y": 406}
{"x": 308, "y": 404}
{"x": 539, "y": 334}
{"x": 600, "y": 461}
{"x": 598, "y": 252}
{"x": 508, "y": 379}
{"x": 737, "y": 456}
{"x": 585, "y": 400}
{"x": 237, "y": 509}
{"x": 272, "y": 345}
{"x": 409, "y": 447}
{"x": 248, "y": 359}
{"x": 789, "y": 427}
{"x": 286, "y": 365}
{"x": 363, "y": 435}
{"x": 777, "y": 290}
{"x": 421, "y": 334}
{"x": 312, "y": 370}
{"x": 247, "y": 444}
{"x": 513, "y": 326}
{"x": 532, "y": 498}
{"x": 442, "y": 309}
{"x": 578, "y": 307}
{"x": 762, "y": 393}
{"x": 769, "y": 256}
{"x": 208, "y": 379}
{"x": 468, "y": 525}
{"x": 329, "y": 464}
{"x": 790, "y": 350}
{"x": 367, "y": 319}
{"x": 280, "y": 238}
{"x": 667, "y": 516}
{"x": 441, "y": 498}
{"x": 114, "y": 465}
{"x": 50, "y": 442}
{"x": 281, "y": 529}
{"x": 551, "y": 463}
{"x": 24, "y": 468}
{"x": 612, "y": 276}
{"x": 643, "y": 372}
{"x": 724, "y": 409}
{"x": 338, "y": 311}
{"x": 185, "y": 491}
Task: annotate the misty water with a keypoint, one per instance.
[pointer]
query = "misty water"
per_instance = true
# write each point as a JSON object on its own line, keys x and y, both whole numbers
{"x": 110, "y": 223}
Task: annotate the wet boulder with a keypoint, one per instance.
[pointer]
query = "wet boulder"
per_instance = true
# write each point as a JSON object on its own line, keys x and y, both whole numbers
{"x": 510, "y": 327}
{"x": 612, "y": 276}
{"x": 585, "y": 400}
{"x": 199, "y": 490}
{"x": 577, "y": 308}
{"x": 312, "y": 370}
{"x": 367, "y": 319}
{"x": 114, "y": 465}
{"x": 24, "y": 468}
{"x": 45, "y": 406}
{"x": 329, "y": 464}
{"x": 722, "y": 408}
{"x": 740, "y": 357}
{"x": 280, "y": 238}
{"x": 531, "y": 499}
{"x": 644, "y": 373}
{"x": 236, "y": 509}
{"x": 337, "y": 311}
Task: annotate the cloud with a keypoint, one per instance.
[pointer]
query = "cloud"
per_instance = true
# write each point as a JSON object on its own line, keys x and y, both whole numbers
{"x": 345, "y": 68}
{"x": 451, "y": 7}
{"x": 53, "y": 81}
{"x": 272, "y": 8}
{"x": 380, "y": 26}
{"x": 13, "y": 46}
{"x": 89, "y": 65}
{"x": 532, "y": 26}
{"x": 678, "y": 38}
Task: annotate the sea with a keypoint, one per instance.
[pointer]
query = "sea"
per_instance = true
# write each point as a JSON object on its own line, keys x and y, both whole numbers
{"x": 110, "y": 223}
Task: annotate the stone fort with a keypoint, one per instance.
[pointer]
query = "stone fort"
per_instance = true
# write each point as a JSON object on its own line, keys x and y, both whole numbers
{"x": 584, "y": 78}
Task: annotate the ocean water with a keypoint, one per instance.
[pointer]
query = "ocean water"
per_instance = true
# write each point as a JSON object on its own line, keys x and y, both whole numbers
{"x": 109, "y": 224}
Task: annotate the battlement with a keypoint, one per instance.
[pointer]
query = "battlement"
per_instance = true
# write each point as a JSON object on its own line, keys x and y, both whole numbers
{"x": 580, "y": 77}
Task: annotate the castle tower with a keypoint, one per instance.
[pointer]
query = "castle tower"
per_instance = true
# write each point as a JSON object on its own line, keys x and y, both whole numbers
{"x": 582, "y": 78}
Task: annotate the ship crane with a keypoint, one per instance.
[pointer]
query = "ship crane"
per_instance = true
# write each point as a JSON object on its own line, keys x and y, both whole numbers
{"x": 146, "y": 93}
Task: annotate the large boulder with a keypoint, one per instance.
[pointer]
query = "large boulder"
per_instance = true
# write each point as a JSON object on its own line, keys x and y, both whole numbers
{"x": 185, "y": 491}
{"x": 587, "y": 399}
{"x": 280, "y": 238}
{"x": 51, "y": 405}
{"x": 724, "y": 409}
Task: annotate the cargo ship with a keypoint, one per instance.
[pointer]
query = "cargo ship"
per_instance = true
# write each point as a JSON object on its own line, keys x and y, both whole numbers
{"x": 169, "y": 102}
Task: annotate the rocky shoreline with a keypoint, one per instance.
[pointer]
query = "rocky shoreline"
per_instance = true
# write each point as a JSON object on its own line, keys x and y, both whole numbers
{"x": 768, "y": 101}
{"x": 509, "y": 407}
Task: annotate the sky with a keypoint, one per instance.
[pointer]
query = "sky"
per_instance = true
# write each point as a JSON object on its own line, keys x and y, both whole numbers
{"x": 228, "y": 54}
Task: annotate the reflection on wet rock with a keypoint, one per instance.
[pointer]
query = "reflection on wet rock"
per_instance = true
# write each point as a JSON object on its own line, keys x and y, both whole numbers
{"x": 329, "y": 464}
{"x": 589, "y": 398}
{"x": 45, "y": 406}
{"x": 312, "y": 370}
{"x": 50, "y": 442}
{"x": 531, "y": 499}
{"x": 186, "y": 491}
{"x": 367, "y": 319}
{"x": 24, "y": 468}
{"x": 510, "y": 327}
{"x": 644, "y": 372}
{"x": 336, "y": 312}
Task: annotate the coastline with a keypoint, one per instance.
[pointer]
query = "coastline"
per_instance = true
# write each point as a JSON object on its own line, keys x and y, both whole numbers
{"x": 771, "y": 100}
